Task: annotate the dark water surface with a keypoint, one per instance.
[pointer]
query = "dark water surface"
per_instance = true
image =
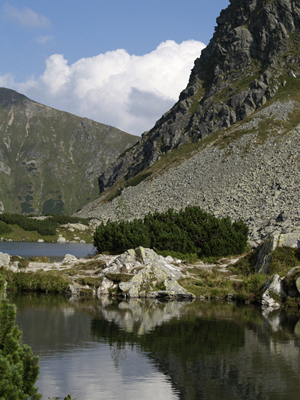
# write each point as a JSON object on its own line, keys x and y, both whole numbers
{"x": 54, "y": 251}
{"x": 103, "y": 349}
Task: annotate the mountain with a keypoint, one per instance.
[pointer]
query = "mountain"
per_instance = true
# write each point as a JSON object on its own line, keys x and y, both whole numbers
{"x": 231, "y": 142}
{"x": 49, "y": 159}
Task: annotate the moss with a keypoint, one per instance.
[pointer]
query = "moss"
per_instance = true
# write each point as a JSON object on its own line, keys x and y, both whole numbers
{"x": 117, "y": 278}
{"x": 90, "y": 281}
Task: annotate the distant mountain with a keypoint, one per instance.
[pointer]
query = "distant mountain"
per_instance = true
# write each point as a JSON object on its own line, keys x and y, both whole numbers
{"x": 50, "y": 160}
{"x": 231, "y": 142}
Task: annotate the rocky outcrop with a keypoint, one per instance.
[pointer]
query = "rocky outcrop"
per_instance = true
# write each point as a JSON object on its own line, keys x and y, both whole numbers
{"x": 273, "y": 294}
{"x": 4, "y": 260}
{"x": 152, "y": 276}
{"x": 255, "y": 42}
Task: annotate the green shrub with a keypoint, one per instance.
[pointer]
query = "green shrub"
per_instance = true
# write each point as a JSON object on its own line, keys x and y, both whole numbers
{"x": 190, "y": 231}
{"x": 45, "y": 227}
{"x": 19, "y": 368}
{"x": 4, "y": 228}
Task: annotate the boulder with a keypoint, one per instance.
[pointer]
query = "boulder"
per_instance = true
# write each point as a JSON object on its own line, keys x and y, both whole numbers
{"x": 264, "y": 257}
{"x": 4, "y": 259}
{"x": 290, "y": 239}
{"x": 61, "y": 239}
{"x": 273, "y": 286}
{"x": 77, "y": 290}
{"x": 154, "y": 272}
{"x": 69, "y": 258}
{"x": 105, "y": 288}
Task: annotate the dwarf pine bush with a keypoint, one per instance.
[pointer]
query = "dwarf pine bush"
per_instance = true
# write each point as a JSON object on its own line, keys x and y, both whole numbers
{"x": 189, "y": 231}
{"x": 19, "y": 368}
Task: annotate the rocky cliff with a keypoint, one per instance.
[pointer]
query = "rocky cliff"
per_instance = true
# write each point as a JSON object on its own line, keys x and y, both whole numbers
{"x": 255, "y": 42}
{"x": 50, "y": 160}
{"x": 231, "y": 142}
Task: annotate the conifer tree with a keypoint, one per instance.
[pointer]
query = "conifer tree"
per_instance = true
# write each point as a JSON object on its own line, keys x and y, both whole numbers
{"x": 19, "y": 368}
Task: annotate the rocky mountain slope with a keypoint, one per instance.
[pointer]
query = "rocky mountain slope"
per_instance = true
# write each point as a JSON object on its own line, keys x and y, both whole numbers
{"x": 50, "y": 160}
{"x": 231, "y": 142}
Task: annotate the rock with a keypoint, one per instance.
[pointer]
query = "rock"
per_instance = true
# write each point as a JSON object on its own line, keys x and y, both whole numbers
{"x": 79, "y": 227}
{"x": 41, "y": 240}
{"x": 69, "y": 258}
{"x": 77, "y": 290}
{"x": 4, "y": 259}
{"x": 61, "y": 239}
{"x": 156, "y": 271}
{"x": 264, "y": 257}
{"x": 105, "y": 288}
{"x": 290, "y": 240}
{"x": 291, "y": 271}
{"x": 273, "y": 286}
{"x": 298, "y": 284}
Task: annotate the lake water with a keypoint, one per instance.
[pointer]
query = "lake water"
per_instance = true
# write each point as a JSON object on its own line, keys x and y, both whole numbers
{"x": 104, "y": 349}
{"x": 54, "y": 251}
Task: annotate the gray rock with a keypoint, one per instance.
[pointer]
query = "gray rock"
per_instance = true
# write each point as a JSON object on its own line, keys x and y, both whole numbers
{"x": 274, "y": 285}
{"x": 264, "y": 256}
{"x": 290, "y": 240}
{"x": 105, "y": 288}
{"x": 4, "y": 259}
{"x": 69, "y": 258}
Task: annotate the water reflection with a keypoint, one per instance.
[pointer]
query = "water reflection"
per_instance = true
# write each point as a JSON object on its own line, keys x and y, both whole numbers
{"x": 107, "y": 349}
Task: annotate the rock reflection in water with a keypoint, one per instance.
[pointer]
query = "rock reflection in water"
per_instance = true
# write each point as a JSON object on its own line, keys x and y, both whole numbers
{"x": 204, "y": 351}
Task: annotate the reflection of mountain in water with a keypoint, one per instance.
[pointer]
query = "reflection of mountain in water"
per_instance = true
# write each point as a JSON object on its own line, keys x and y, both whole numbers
{"x": 206, "y": 351}
{"x": 212, "y": 352}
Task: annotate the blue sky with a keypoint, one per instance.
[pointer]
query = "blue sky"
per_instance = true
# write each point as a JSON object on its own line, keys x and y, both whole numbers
{"x": 123, "y": 63}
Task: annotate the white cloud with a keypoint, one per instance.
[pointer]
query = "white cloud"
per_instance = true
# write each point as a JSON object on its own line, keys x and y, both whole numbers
{"x": 127, "y": 91}
{"x": 25, "y": 16}
{"x": 43, "y": 39}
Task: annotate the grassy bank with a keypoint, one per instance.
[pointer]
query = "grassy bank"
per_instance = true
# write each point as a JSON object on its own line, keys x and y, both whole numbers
{"x": 237, "y": 281}
{"x": 20, "y": 228}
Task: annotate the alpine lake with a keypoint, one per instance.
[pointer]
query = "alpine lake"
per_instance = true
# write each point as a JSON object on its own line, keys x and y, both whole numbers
{"x": 109, "y": 349}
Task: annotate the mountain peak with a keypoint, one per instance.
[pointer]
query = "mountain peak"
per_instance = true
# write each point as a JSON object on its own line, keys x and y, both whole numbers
{"x": 255, "y": 43}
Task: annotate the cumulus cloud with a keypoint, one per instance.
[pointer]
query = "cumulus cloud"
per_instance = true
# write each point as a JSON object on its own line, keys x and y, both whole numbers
{"x": 24, "y": 17}
{"x": 116, "y": 88}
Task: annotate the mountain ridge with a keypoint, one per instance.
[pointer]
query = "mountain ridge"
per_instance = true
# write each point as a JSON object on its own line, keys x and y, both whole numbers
{"x": 230, "y": 143}
{"x": 50, "y": 159}
{"x": 219, "y": 92}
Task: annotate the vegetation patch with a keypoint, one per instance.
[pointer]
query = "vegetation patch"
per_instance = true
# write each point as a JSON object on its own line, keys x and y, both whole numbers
{"x": 189, "y": 231}
{"x": 117, "y": 278}
{"x": 49, "y": 282}
{"x": 40, "y": 259}
{"x": 22, "y": 262}
{"x": 4, "y": 228}
{"x": 90, "y": 281}
{"x": 284, "y": 259}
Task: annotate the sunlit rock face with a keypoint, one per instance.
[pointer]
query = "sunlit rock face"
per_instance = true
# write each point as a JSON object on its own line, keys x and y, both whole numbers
{"x": 239, "y": 115}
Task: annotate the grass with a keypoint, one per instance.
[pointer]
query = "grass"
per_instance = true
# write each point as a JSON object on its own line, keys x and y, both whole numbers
{"x": 20, "y": 235}
{"x": 284, "y": 259}
{"x": 49, "y": 282}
